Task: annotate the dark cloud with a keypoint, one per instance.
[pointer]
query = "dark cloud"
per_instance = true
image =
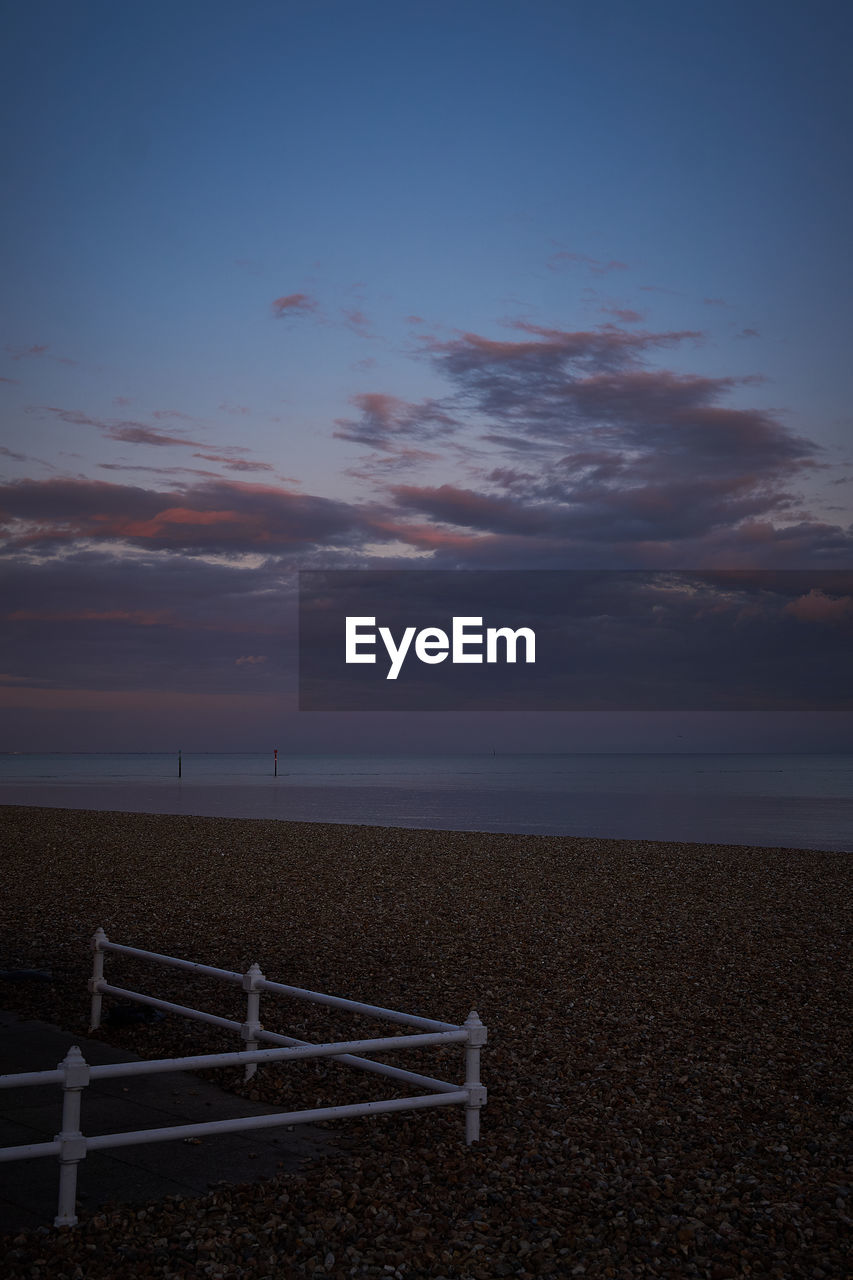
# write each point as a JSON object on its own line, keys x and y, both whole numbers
{"x": 160, "y": 622}
{"x": 173, "y": 472}
{"x": 128, "y": 431}
{"x": 235, "y": 464}
{"x": 220, "y": 516}
{"x": 387, "y": 462}
{"x": 134, "y": 433}
{"x": 616, "y": 454}
{"x": 385, "y": 419}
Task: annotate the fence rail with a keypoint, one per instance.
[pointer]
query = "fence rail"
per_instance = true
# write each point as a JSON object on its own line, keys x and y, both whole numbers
{"x": 74, "y": 1074}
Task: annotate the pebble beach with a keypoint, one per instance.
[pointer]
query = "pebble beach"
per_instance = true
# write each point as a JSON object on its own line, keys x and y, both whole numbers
{"x": 666, "y": 1065}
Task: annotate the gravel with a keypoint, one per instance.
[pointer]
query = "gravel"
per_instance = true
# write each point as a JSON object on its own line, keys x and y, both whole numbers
{"x": 668, "y": 1033}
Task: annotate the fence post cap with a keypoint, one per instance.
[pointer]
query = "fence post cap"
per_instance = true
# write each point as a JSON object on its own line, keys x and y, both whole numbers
{"x": 252, "y": 976}
{"x": 477, "y": 1033}
{"x": 97, "y": 938}
{"x": 76, "y": 1068}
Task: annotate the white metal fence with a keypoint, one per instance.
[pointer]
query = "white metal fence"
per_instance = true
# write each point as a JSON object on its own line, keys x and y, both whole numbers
{"x": 71, "y": 1145}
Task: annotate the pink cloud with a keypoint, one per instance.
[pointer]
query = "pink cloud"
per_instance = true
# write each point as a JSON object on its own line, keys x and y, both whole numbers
{"x": 36, "y": 351}
{"x": 817, "y": 606}
{"x": 356, "y": 320}
{"x": 384, "y": 419}
{"x": 294, "y": 304}
{"x": 21, "y": 353}
{"x": 223, "y": 515}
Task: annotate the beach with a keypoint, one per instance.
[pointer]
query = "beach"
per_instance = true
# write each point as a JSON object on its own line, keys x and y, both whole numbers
{"x": 665, "y": 1065}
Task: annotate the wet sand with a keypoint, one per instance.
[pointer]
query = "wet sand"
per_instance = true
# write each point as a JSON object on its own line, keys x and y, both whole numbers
{"x": 667, "y": 1040}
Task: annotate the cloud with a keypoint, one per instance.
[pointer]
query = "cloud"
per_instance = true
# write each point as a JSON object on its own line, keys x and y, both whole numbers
{"x": 163, "y": 621}
{"x": 817, "y": 606}
{"x": 137, "y": 616}
{"x": 219, "y": 515}
{"x": 136, "y": 433}
{"x": 385, "y": 419}
{"x": 36, "y": 351}
{"x": 356, "y": 321}
{"x": 498, "y": 373}
{"x": 21, "y": 353}
{"x": 747, "y": 333}
{"x": 595, "y": 266}
{"x": 250, "y": 659}
{"x": 625, "y": 314}
{"x": 130, "y": 432}
{"x": 172, "y": 471}
{"x": 127, "y": 431}
{"x": 606, "y": 639}
{"x": 160, "y": 414}
{"x": 619, "y": 458}
{"x": 294, "y": 304}
{"x": 386, "y": 462}
{"x": 235, "y": 464}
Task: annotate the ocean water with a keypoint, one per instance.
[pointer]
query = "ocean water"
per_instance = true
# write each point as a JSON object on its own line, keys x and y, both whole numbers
{"x": 794, "y": 801}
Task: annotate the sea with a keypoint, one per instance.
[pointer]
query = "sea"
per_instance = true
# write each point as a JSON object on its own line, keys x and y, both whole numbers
{"x": 792, "y": 801}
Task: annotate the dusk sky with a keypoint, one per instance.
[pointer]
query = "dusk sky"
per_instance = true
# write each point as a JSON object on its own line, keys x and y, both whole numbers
{"x": 448, "y": 285}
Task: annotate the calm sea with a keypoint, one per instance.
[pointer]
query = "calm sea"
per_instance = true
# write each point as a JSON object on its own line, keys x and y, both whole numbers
{"x": 794, "y": 801}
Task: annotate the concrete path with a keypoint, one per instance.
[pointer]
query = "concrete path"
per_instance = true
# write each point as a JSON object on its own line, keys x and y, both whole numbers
{"x": 28, "y": 1188}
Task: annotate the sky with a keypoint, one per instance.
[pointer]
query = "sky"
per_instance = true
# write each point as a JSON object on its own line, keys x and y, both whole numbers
{"x": 508, "y": 285}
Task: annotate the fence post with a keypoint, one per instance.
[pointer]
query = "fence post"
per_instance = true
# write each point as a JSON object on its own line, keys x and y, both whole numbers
{"x": 476, "y": 1093}
{"x": 98, "y": 938}
{"x": 252, "y": 1025}
{"x": 73, "y": 1144}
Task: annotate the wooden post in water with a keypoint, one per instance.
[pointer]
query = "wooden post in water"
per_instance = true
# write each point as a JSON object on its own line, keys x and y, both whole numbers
{"x": 179, "y": 762}
{"x": 275, "y": 763}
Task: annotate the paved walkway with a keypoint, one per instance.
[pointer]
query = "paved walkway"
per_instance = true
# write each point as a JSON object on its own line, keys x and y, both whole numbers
{"x": 28, "y": 1188}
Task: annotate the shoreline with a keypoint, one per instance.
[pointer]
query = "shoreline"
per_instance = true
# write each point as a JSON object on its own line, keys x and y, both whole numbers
{"x": 666, "y": 1037}
{"x": 793, "y": 822}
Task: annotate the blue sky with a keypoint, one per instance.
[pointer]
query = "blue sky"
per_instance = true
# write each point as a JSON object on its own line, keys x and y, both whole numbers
{"x": 507, "y": 284}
